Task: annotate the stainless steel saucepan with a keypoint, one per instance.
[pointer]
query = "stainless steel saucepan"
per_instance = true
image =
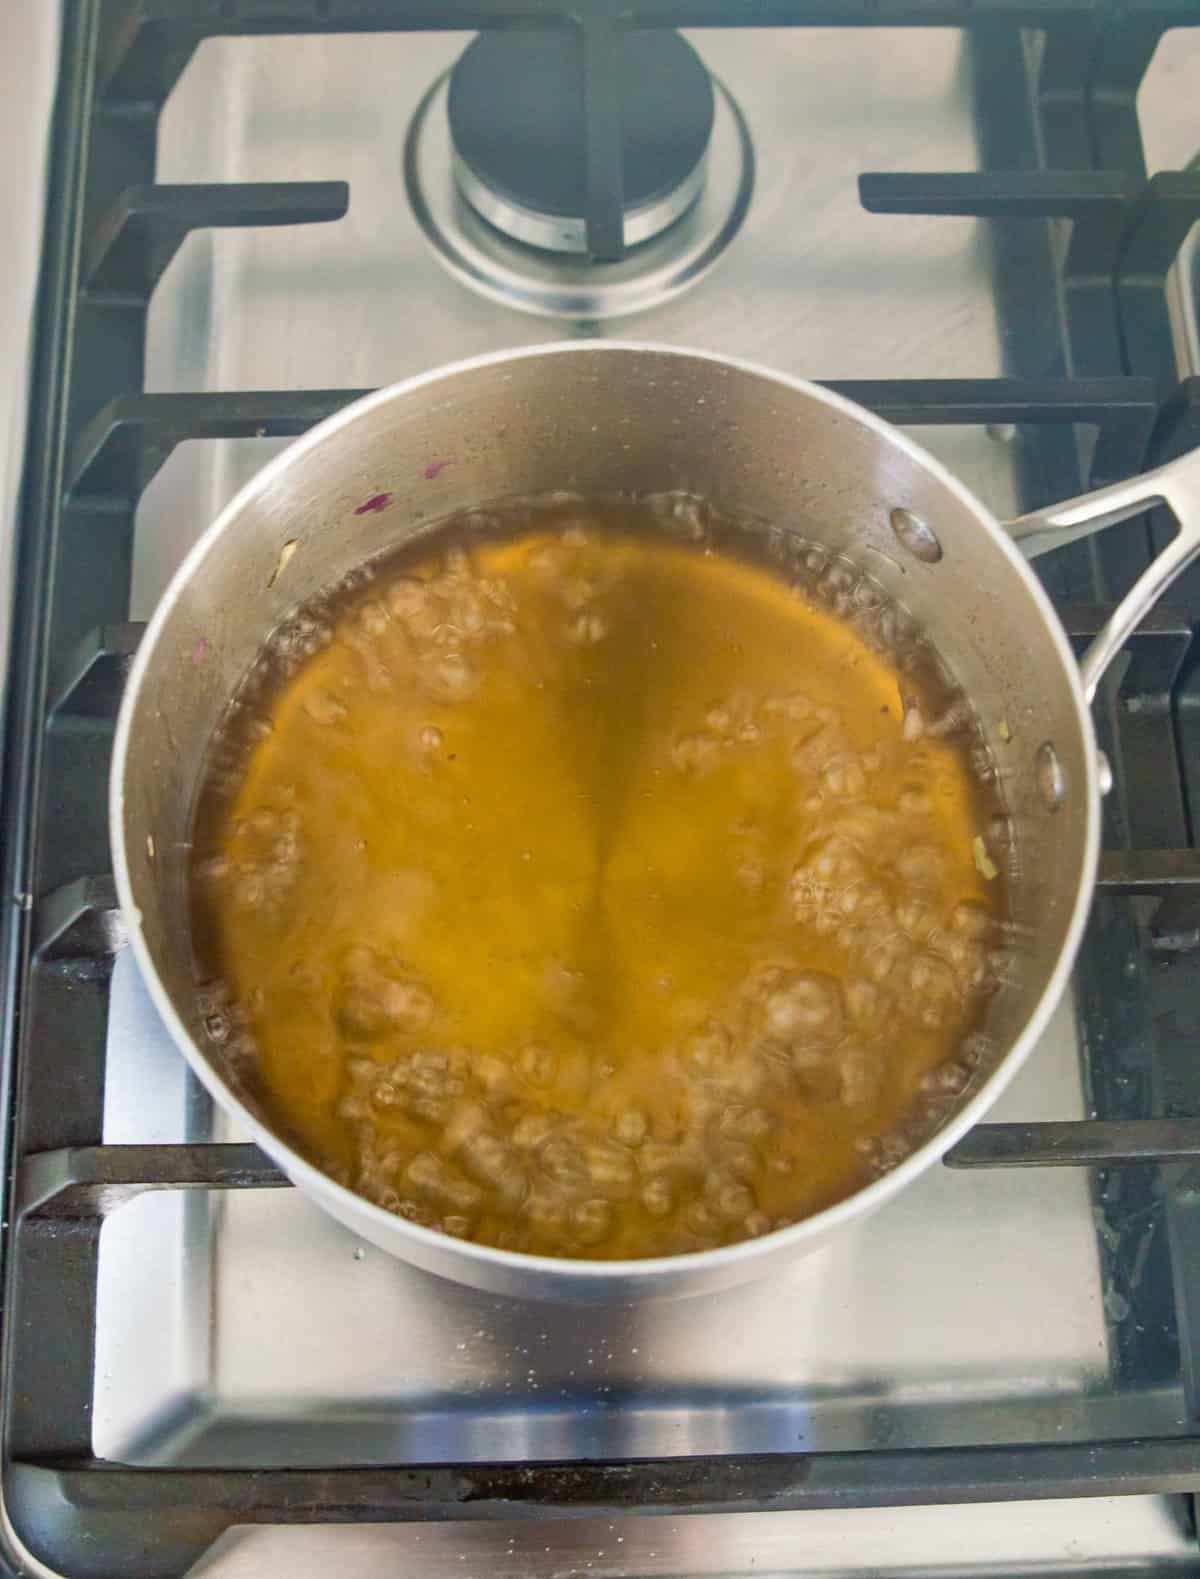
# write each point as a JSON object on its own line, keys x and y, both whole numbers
{"x": 594, "y": 418}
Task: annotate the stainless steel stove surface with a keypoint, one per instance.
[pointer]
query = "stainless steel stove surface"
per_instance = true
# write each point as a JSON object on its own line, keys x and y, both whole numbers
{"x": 245, "y": 1328}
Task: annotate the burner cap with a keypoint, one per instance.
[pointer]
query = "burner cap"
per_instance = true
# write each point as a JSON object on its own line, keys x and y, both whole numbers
{"x": 517, "y": 124}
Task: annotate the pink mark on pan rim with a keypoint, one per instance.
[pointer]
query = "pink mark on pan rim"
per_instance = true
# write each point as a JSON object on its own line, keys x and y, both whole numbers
{"x": 199, "y": 652}
{"x": 436, "y": 468}
{"x": 373, "y": 505}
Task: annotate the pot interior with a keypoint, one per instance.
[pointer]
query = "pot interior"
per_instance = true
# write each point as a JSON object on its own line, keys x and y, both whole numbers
{"x": 597, "y": 419}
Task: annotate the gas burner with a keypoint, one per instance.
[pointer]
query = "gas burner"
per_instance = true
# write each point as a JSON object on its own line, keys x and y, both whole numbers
{"x": 505, "y": 213}
{"x": 519, "y": 133}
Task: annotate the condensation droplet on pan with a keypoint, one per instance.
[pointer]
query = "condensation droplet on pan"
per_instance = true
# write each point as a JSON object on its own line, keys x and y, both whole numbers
{"x": 915, "y": 535}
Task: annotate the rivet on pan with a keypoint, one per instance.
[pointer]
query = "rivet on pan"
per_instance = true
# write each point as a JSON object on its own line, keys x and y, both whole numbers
{"x": 916, "y": 535}
{"x": 1051, "y": 780}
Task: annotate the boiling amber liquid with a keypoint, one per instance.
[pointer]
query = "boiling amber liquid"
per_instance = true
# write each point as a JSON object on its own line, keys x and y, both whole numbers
{"x": 591, "y": 894}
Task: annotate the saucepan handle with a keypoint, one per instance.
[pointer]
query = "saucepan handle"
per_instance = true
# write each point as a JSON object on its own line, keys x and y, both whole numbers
{"x": 1177, "y": 485}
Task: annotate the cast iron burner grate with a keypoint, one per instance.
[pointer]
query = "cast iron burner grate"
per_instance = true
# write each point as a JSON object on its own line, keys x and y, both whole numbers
{"x": 1061, "y": 141}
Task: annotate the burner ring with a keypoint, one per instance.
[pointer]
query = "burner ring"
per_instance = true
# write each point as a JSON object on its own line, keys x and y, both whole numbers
{"x": 565, "y": 285}
{"x": 567, "y": 233}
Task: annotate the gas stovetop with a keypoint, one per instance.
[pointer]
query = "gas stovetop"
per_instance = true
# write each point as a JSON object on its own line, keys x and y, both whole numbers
{"x": 946, "y": 210}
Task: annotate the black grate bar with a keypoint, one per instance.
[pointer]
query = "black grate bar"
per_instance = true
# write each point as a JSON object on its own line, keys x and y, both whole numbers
{"x": 145, "y": 52}
{"x": 331, "y": 16}
{"x": 1178, "y": 425}
{"x": 912, "y": 402}
{"x": 89, "y": 681}
{"x": 82, "y": 1182}
{"x": 197, "y": 1505}
{"x": 91, "y": 1506}
{"x": 1122, "y": 409}
{"x": 1077, "y": 1143}
{"x": 900, "y": 13}
{"x": 91, "y": 1181}
{"x": 81, "y": 921}
{"x": 1164, "y": 213}
{"x": 123, "y": 447}
{"x": 1099, "y": 204}
{"x": 1125, "y": 228}
{"x": 1050, "y": 194}
{"x": 1145, "y": 761}
{"x": 135, "y": 241}
{"x": 77, "y": 1510}
{"x": 602, "y": 96}
{"x": 1163, "y": 625}
{"x": 1154, "y": 873}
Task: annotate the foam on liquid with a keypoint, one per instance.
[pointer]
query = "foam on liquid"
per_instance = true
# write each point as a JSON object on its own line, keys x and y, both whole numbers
{"x": 592, "y": 893}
